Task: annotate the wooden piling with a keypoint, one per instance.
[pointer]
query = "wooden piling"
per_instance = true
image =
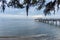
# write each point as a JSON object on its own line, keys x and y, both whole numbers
{"x": 49, "y": 20}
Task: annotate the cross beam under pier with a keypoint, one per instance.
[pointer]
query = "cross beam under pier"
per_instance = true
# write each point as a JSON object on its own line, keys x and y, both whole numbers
{"x": 49, "y": 21}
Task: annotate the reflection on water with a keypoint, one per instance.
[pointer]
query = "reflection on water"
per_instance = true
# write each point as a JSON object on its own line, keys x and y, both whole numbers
{"x": 26, "y": 27}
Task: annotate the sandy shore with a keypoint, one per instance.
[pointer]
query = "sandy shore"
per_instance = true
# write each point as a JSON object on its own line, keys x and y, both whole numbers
{"x": 33, "y": 37}
{"x": 29, "y": 38}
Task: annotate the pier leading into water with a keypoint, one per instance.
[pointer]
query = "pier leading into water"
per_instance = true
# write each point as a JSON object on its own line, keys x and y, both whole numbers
{"x": 52, "y": 21}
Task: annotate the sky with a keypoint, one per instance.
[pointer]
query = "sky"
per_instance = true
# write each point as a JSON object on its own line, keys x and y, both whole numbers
{"x": 32, "y": 11}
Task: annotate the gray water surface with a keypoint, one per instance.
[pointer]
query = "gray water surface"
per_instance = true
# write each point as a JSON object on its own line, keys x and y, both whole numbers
{"x": 26, "y": 27}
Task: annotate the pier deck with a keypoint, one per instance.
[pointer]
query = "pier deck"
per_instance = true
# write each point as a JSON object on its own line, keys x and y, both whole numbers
{"x": 49, "y": 21}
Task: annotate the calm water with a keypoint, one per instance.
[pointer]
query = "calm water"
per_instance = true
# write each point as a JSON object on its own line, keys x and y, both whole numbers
{"x": 26, "y": 27}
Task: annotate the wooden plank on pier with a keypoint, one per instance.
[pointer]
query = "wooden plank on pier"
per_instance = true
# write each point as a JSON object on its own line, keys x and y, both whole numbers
{"x": 48, "y": 20}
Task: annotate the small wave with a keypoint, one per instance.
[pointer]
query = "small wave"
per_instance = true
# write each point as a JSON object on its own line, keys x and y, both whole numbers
{"x": 39, "y": 35}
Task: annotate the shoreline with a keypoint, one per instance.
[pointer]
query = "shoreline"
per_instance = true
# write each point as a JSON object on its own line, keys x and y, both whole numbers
{"x": 39, "y": 35}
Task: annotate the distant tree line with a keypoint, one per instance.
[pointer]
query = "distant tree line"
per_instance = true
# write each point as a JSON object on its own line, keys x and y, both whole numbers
{"x": 48, "y": 7}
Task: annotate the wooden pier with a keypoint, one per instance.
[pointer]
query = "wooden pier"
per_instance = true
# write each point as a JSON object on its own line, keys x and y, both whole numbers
{"x": 49, "y": 21}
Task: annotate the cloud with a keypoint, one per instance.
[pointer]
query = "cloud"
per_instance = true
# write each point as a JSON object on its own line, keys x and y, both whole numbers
{"x": 20, "y": 16}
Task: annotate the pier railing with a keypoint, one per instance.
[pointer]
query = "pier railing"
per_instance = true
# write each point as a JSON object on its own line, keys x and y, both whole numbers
{"x": 50, "y": 21}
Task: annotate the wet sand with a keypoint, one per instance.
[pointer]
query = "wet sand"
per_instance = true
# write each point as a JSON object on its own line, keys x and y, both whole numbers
{"x": 33, "y": 37}
{"x": 30, "y": 38}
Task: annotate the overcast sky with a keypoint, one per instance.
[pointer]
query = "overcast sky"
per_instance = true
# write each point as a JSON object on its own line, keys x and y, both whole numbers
{"x": 32, "y": 11}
